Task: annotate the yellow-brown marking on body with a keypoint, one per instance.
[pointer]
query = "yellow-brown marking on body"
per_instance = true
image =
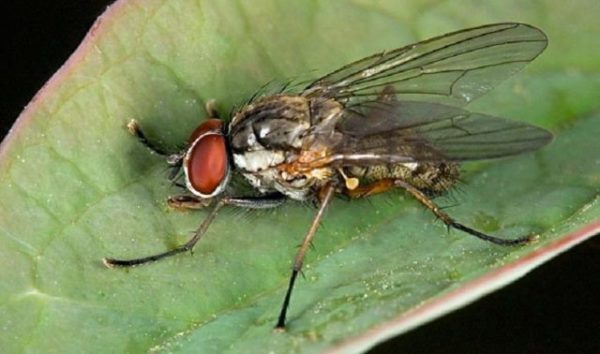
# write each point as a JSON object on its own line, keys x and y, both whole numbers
{"x": 306, "y": 161}
{"x": 350, "y": 182}
{"x": 380, "y": 186}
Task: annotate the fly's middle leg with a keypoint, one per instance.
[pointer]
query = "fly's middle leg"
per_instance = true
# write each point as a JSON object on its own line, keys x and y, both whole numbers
{"x": 325, "y": 195}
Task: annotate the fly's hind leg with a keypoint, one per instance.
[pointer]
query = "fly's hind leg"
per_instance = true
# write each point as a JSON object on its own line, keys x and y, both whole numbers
{"x": 430, "y": 204}
{"x": 386, "y": 184}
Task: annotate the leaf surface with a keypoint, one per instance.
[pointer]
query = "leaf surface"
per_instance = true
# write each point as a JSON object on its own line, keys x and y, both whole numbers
{"x": 75, "y": 187}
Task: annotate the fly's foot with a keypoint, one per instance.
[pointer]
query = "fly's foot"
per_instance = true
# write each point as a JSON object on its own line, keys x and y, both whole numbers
{"x": 133, "y": 127}
{"x": 211, "y": 108}
{"x": 279, "y": 329}
{"x": 532, "y": 238}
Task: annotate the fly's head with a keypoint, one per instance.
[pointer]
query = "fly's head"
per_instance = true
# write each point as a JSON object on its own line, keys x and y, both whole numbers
{"x": 206, "y": 162}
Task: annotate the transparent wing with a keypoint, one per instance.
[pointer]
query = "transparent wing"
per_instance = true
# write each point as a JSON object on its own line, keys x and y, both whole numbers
{"x": 454, "y": 68}
{"x": 398, "y": 132}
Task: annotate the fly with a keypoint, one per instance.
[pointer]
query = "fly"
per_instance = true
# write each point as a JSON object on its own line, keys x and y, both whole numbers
{"x": 390, "y": 120}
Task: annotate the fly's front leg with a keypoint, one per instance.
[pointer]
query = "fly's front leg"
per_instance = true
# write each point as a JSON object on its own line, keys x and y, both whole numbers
{"x": 200, "y": 231}
{"x": 134, "y": 129}
{"x": 430, "y": 204}
{"x": 174, "y": 160}
{"x": 325, "y": 194}
{"x": 186, "y": 201}
{"x": 261, "y": 202}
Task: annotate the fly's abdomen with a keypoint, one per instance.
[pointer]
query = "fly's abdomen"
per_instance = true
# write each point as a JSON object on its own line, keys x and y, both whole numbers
{"x": 429, "y": 177}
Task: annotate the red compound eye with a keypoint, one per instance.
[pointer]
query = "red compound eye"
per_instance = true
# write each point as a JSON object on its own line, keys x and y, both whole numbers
{"x": 209, "y": 125}
{"x": 206, "y": 163}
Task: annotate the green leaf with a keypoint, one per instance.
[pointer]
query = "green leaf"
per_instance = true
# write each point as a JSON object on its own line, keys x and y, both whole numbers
{"x": 75, "y": 187}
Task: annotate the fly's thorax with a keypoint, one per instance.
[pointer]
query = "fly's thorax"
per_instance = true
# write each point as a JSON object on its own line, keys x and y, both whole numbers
{"x": 430, "y": 177}
{"x": 279, "y": 130}
{"x": 273, "y": 122}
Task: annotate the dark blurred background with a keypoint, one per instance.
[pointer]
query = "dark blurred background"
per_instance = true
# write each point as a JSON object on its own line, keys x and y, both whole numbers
{"x": 555, "y": 309}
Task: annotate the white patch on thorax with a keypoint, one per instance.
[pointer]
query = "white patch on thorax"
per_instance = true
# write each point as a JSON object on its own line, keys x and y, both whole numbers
{"x": 264, "y": 131}
{"x": 268, "y": 180}
{"x": 251, "y": 140}
{"x": 253, "y": 161}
